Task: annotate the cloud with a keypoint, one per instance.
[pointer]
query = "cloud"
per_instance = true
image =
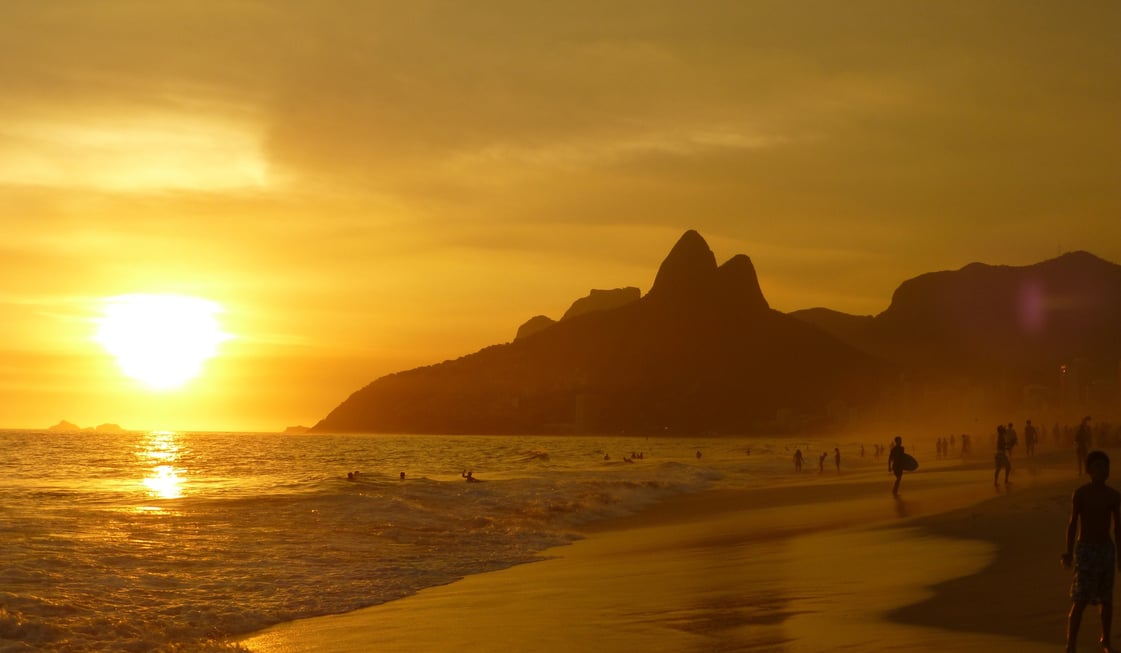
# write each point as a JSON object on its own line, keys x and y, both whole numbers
{"x": 361, "y": 174}
{"x": 132, "y": 154}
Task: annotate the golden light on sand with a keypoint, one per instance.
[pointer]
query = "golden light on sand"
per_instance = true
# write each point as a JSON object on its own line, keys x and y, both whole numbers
{"x": 163, "y": 341}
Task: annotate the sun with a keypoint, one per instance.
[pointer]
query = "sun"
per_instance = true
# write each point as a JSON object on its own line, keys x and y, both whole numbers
{"x": 160, "y": 340}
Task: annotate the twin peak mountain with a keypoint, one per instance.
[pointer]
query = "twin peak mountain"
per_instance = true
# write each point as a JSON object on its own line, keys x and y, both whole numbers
{"x": 702, "y": 352}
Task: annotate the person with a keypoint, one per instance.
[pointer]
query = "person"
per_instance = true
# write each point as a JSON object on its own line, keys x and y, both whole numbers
{"x": 1031, "y": 436}
{"x": 837, "y": 458}
{"x": 1000, "y": 458}
{"x": 797, "y": 460}
{"x": 1010, "y": 439}
{"x": 821, "y": 462}
{"x": 698, "y": 454}
{"x": 1094, "y": 508}
{"x": 895, "y": 464}
{"x": 402, "y": 476}
{"x": 1082, "y": 442}
{"x": 469, "y": 476}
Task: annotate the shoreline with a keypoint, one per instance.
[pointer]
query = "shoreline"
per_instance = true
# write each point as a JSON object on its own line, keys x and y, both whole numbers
{"x": 1026, "y": 527}
{"x": 742, "y": 569}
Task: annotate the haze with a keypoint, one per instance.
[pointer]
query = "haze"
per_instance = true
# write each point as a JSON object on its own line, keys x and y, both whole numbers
{"x": 369, "y": 187}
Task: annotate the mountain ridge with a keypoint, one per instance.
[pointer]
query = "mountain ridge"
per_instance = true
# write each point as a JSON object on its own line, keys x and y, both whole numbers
{"x": 702, "y": 352}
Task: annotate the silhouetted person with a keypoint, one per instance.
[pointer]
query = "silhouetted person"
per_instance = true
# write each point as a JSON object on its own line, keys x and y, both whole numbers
{"x": 402, "y": 476}
{"x": 1010, "y": 439}
{"x": 1031, "y": 437}
{"x": 861, "y": 451}
{"x": 895, "y": 464}
{"x": 1095, "y": 508}
{"x": 698, "y": 454}
{"x": 797, "y": 460}
{"x": 1000, "y": 458}
{"x": 837, "y": 458}
{"x": 821, "y": 462}
{"x": 469, "y": 477}
{"x": 1082, "y": 442}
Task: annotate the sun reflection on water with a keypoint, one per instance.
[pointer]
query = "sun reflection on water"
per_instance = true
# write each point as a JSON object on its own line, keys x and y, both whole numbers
{"x": 163, "y": 481}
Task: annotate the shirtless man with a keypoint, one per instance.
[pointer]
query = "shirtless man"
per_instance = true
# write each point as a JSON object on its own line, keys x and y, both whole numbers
{"x": 1095, "y": 508}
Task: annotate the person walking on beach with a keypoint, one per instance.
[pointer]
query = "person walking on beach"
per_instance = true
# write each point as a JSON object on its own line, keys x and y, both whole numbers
{"x": 797, "y": 460}
{"x": 1095, "y": 507}
{"x": 1000, "y": 458}
{"x": 895, "y": 464}
{"x": 1082, "y": 442}
{"x": 837, "y": 458}
{"x": 1031, "y": 436}
{"x": 1010, "y": 439}
{"x": 821, "y": 462}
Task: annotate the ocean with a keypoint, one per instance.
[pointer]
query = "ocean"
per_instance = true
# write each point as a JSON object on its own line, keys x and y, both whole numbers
{"x": 168, "y": 541}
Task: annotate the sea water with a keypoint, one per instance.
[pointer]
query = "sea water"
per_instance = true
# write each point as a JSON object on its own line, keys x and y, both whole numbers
{"x": 181, "y": 541}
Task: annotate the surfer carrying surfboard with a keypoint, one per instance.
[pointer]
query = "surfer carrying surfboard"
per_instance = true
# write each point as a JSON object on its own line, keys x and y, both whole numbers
{"x": 895, "y": 463}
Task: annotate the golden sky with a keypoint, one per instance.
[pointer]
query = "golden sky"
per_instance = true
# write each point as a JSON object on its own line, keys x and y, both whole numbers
{"x": 370, "y": 186}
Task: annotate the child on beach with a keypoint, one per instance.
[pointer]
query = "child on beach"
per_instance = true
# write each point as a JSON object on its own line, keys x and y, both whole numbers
{"x": 1095, "y": 507}
{"x": 1001, "y": 460}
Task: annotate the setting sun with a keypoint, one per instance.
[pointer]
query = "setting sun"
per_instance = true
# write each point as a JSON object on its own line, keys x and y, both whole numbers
{"x": 160, "y": 340}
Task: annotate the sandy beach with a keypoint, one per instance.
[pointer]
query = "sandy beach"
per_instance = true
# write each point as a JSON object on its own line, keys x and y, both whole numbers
{"x": 829, "y": 563}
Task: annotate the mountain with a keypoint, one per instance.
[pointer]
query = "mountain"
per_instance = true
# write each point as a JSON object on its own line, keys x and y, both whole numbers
{"x": 701, "y": 352}
{"x": 597, "y": 300}
{"x": 65, "y": 427}
{"x": 986, "y": 324}
{"x": 602, "y": 300}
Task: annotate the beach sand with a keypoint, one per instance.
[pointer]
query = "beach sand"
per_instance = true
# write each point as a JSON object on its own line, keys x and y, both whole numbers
{"x": 819, "y": 564}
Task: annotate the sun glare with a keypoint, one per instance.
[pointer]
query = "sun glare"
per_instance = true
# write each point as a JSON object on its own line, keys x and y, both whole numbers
{"x": 160, "y": 340}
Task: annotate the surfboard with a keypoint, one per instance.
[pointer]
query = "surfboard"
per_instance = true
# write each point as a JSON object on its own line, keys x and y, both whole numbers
{"x": 908, "y": 463}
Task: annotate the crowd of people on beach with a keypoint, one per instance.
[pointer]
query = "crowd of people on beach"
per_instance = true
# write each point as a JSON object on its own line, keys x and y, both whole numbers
{"x": 1095, "y": 521}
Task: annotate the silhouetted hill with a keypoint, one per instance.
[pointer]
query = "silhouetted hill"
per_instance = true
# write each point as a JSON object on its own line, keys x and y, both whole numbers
{"x": 701, "y": 352}
{"x": 985, "y": 322}
{"x": 65, "y": 427}
{"x": 597, "y": 300}
{"x": 602, "y": 300}
{"x": 850, "y": 329}
{"x": 534, "y": 325}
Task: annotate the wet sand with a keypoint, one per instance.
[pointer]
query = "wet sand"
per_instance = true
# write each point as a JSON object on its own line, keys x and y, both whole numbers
{"x": 831, "y": 564}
